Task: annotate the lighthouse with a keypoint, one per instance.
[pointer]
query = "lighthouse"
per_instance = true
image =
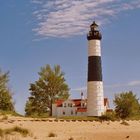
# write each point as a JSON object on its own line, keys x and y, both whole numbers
{"x": 95, "y": 97}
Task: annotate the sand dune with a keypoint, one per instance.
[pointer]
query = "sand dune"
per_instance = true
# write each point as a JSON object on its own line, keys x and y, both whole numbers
{"x": 76, "y": 130}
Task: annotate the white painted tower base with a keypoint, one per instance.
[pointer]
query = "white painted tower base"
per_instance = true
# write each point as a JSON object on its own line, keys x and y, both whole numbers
{"x": 95, "y": 102}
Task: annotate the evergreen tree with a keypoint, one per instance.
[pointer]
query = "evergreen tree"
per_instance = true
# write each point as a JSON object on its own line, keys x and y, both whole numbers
{"x": 6, "y": 103}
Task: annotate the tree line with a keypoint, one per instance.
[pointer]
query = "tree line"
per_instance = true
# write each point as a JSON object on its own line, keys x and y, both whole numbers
{"x": 50, "y": 86}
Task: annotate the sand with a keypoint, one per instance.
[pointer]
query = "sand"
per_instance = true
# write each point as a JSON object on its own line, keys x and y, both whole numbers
{"x": 40, "y": 130}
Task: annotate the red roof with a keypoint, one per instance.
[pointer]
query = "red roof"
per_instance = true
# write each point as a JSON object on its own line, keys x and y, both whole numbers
{"x": 59, "y": 103}
{"x": 81, "y": 109}
{"x": 77, "y": 102}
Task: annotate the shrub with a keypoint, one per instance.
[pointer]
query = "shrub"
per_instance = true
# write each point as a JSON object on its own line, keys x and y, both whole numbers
{"x": 13, "y": 113}
{"x": 126, "y": 105}
{"x": 109, "y": 116}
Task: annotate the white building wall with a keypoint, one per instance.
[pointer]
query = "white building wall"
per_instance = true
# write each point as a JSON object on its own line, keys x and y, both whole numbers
{"x": 54, "y": 110}
{"x": 81, "y": 114}
{"x": 59, "y": 111}
{"x": 67, "y": 109}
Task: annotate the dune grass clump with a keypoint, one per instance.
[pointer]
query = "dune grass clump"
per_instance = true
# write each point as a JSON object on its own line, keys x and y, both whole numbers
{"x": 23, "y": 131}
{"x": 5, "y": 117}
{"x": 5, "y": 134}
{"x": 71, "y": 138}
{"x": 1, "y": 132}
{"x": 124, "y": 123}
{"x": 52, "y": 135}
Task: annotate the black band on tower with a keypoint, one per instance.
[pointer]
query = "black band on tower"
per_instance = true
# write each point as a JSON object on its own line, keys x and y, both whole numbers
{"x": 94, "y": 68}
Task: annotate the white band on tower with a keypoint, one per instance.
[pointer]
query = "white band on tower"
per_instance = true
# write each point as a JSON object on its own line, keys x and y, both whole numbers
{"x": 94, "y": 48}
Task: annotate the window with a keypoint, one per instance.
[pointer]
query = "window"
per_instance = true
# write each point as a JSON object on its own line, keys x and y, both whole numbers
{"x": 65, "y": 104}
{"x": 71, "y": 112}
{"x": 63, "y": 112}
{"x": 69, "y": 104}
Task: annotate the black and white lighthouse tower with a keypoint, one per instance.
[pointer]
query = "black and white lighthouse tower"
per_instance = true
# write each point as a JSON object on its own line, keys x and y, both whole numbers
{"x": 95, "y": 97}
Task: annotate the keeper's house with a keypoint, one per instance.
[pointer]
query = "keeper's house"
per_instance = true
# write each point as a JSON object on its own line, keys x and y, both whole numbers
{"x": 73, "y": 107}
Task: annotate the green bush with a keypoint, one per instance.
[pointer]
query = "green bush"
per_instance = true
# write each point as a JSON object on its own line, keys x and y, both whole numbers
{"x": 13, "y": 113}
{"x": 126, "y": 105}
{"x": 36, "y": 115}
{"x": 108, "y": 116}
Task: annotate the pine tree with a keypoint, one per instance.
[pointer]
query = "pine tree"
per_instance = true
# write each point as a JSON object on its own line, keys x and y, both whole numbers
{"x": 6, "y": 102}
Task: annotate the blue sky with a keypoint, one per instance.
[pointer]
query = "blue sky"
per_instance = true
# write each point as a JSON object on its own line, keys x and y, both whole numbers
{"x": 38, "y": 32}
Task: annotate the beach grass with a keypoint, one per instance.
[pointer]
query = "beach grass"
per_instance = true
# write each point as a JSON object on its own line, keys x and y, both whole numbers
{"x": 23, "y": 131}
{"x": 51, "y": 134}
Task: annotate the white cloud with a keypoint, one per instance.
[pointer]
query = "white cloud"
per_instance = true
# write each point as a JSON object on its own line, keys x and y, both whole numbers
{"x": 64, "y": 18}
{"x": 79, "y": 89}
{"x": 120, "y": 85}
{"x": 129, "y": 84}
{"x": 115, "y": 86}
{"x": 134, "y": 83}
{"x": 36, "y": 1}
